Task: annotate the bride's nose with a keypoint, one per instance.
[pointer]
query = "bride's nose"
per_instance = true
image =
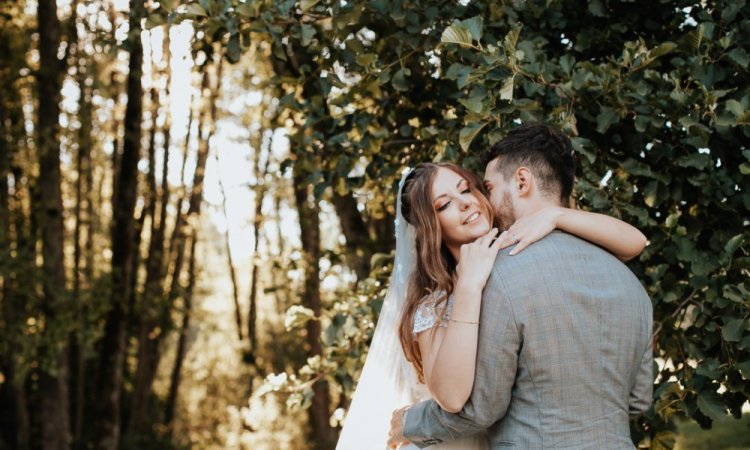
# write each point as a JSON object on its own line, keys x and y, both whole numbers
{"x": 464, "y": 204}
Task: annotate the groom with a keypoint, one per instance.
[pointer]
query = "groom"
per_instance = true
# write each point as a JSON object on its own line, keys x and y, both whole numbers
{"x": 564, "y": 354}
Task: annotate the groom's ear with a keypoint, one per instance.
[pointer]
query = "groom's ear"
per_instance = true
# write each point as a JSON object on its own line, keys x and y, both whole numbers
{"x": 524, "y": 181}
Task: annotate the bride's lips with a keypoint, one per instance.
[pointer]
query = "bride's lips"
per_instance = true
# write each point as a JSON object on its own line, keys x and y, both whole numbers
{"x": 471, "y": 218}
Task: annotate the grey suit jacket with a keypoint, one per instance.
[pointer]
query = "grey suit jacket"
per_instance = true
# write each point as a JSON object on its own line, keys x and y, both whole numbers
{"x": 564, "y": 354}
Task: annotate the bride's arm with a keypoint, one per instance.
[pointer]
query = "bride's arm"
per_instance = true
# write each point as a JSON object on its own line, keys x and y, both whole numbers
{"x": 449, "y": 353}
{"x": 619, "y": 238}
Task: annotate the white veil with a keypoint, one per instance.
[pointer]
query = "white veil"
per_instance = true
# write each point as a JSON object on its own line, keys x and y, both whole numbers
{"x": 388, "y": 380}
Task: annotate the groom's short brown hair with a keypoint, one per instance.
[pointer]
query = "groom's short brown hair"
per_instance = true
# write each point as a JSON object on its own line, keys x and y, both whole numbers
{"x": 543, "y": 149}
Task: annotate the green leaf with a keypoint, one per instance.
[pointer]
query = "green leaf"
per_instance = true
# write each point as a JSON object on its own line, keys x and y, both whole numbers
{"x": 605, "y": 119}
{"x": 233, "y": 48}
{"x": 475, "y": 25}
{"x": 733, "y": 244}
{"x": 456, "y": 34}
{"x": 399, "y": 80}
{"x": 597, "y": 8}
{"x": 154, "y": 20}
{"x": 664, "y": 440}
{"x": 699, "y": 161}
{"x": 661, "y": 50}
{"x": 308, "y": 32}
{"x": 506, "y": 92}
{"x": 305, "y": 5}
{"x": 732, "y": 330}
{"x": 468, "y": 133}
{"x": 739, "y": 56}
{"x": 709, "y": 368}
{"x": 196, "y": 10}
{"x": 694, "y": 38}
{"x": 366, "y": 59}
{"x": 475, "y": 103}
{"x": 168, "y": 5}
{"x": 745, "y": 169}
{"x": 511, "y": 40}
{"x": 745, "y": 369}
{"x": 567, "y": 62}
{"x": 246, "y": 10}
{"x": 711, "y": 405}
{"x": 460, "y": 73}
{"x": 734, "y": 107}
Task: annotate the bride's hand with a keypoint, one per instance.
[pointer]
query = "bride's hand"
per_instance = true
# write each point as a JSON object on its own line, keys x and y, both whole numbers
{"x": 396, "y": 434}
{"x": 476, "y": 260}
{"x": 527, "y": 230}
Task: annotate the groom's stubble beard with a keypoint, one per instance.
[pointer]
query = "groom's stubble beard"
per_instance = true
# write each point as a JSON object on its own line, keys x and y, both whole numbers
{"x": 504, "y": 212}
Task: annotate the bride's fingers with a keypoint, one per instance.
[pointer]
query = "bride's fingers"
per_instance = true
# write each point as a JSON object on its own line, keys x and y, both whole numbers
{"x": 484, "y": 241}
{"x": 499, "y": 243}
{"x": 505, "y": 240}
{"x": 522, "y": 244}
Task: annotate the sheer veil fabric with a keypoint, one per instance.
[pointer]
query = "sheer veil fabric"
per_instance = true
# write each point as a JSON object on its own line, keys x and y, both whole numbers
{"x": 388, "y": 381}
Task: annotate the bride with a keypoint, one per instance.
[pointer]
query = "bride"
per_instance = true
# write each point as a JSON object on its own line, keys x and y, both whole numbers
{"x": 425, "y": 341}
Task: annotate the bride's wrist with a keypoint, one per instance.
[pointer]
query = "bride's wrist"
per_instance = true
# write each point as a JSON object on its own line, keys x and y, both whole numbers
{"x": 558, "y": 216}
{"x": 467, "y": 290}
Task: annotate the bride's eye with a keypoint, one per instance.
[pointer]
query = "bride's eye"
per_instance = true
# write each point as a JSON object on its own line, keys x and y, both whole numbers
{"x": 443, "y": 207}
{"x": 466, "y": 191}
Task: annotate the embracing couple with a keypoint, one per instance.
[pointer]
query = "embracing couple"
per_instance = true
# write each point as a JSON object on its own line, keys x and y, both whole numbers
{"x": 545, "y": 346}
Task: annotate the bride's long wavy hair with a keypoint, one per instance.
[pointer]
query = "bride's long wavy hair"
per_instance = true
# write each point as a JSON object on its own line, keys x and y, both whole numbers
{"x": 435, "y": 270}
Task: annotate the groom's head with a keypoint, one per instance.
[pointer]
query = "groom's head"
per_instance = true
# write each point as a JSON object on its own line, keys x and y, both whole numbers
{"x": 534, "y": 166}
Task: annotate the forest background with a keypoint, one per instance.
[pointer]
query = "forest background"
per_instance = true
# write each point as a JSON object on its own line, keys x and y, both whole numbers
{"x": 197, "y": 198}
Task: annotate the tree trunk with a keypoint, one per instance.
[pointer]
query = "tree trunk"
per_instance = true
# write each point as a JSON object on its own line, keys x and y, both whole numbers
{"x": 107, "y": 420}
{"x": 53, "y": 385}
{"x": 230, "y": 262}
{"x": 152, "y": 292}
{"x": 260, "y": 191}
{"x": 186, "y": 233}
{"x": 83, "y": 197}
{"x": 252, "y": 317}
{"x": 14, "y": 424}
{"x": 355, "y": 231}
{"x": 155, "y": 301}
{"x": 176, "y": 378}
{"x": 322, "y": 434}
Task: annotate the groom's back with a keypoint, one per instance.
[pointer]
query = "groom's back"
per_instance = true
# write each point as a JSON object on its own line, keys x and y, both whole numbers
{"x": 584, "y": 325}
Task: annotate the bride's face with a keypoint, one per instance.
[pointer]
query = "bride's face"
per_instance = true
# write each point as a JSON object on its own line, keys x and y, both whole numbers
{"x": 461, "y": 216}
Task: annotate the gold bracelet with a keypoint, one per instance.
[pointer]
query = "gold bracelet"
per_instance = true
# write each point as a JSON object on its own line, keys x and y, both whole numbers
{"x": 463, "y": 321}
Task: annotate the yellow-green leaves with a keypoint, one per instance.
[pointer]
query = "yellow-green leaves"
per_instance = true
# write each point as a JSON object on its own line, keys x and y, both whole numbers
{"x": 464, "y": 32}
{"x": 457, "y": 34}
{"x": 468, "y": 133}
{"x": 506, "y": 92}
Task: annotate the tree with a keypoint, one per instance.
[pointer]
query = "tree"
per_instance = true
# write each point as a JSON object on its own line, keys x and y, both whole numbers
{"x": 107, "y": 424}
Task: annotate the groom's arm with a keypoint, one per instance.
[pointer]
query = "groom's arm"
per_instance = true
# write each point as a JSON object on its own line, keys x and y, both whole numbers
{"x": 497, "y": 352}
{"x": 642, "y": 391}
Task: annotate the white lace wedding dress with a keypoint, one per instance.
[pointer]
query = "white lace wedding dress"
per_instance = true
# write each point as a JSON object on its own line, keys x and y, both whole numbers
{"x": 388, "y": 381}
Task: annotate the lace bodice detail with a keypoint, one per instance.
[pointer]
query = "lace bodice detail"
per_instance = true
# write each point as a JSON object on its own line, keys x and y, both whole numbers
{"x": 427, "y": 315}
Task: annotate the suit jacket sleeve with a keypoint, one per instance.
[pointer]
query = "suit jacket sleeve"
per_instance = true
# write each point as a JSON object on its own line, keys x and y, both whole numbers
{"x": 642, "y": 392}
{"x": 497, "y": 352}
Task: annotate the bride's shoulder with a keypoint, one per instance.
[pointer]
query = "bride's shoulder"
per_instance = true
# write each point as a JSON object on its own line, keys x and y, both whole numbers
{"x": 429, "y": 311}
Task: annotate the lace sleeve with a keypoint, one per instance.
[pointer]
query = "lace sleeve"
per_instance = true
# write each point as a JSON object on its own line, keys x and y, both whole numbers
{"x": 426, "y": 316}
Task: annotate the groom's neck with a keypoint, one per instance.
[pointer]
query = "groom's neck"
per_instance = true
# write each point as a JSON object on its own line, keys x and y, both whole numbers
{"x": 532, "y": 206}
